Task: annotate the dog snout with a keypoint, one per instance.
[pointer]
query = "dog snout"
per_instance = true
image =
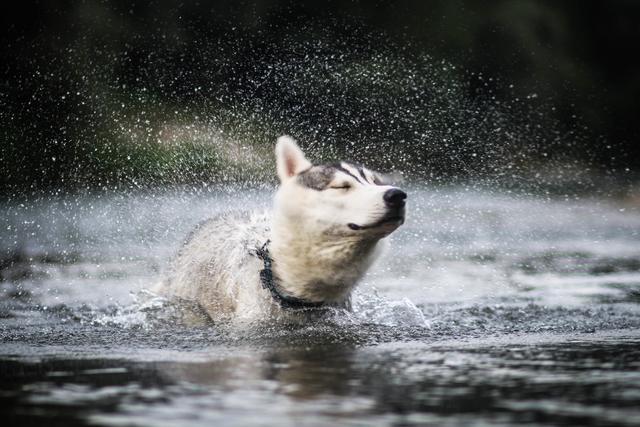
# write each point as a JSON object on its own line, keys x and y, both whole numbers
{"x": 394, "y": 198}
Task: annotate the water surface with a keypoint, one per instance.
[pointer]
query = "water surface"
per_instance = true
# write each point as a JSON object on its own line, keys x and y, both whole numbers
{"x": 487, "y": 309}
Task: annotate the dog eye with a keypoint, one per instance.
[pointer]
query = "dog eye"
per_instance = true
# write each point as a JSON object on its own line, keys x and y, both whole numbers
{"x": 344, "y": 186}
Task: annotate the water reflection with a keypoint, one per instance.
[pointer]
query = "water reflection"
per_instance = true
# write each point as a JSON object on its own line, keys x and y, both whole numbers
{"x": 557, "y": 379}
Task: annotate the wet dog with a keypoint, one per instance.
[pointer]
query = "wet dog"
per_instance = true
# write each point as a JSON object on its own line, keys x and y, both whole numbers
{"x": 309, "y": 252}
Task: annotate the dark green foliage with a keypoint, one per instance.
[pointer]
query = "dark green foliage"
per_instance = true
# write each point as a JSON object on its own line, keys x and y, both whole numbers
{"x": 106, "y": 94}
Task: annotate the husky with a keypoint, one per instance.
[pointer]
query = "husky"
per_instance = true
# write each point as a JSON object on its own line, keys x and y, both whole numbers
{"x": 309, "y": 253}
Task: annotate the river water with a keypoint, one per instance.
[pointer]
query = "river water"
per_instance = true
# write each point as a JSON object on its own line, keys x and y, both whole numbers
{"x": 487, "y": 309}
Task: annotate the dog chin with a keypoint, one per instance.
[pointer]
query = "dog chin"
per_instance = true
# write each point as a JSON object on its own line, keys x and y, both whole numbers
{"x": 390, "y": 225}
{"x": 385, "y": 225}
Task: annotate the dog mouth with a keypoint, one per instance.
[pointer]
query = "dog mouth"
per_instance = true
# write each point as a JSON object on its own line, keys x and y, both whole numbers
{"x": 388, "y": 221}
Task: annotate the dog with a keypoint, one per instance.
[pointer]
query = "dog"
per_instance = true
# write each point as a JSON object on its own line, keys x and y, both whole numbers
{"x": 309, "y": 253}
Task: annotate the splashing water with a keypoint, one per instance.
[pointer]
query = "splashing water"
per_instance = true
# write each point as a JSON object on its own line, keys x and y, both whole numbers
{"x": 165, "y": 112}
{"x": 476, "y": 286}
{"x": 490, "y": 307}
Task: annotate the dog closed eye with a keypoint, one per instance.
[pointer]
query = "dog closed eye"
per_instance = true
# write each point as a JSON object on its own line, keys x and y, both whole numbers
{"x": 344, "y": 186}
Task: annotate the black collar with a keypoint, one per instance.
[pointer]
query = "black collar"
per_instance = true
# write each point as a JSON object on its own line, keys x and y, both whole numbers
{"x": 269, "y": 283}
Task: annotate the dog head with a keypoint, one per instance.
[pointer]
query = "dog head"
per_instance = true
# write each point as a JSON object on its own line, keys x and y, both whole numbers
{"x": 339, "y": 199}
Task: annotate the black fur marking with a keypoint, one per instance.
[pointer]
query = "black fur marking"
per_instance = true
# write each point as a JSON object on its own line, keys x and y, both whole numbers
{"x": 317, "y": 177}
{"x": 341, "y": 169}
{"x": 361, "y": 170}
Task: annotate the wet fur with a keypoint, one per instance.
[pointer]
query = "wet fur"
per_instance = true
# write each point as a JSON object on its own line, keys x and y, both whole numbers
{"x": 316, "y": 256}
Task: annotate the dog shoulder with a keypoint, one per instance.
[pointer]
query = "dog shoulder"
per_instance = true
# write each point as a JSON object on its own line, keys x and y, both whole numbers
{"x": 226, "y": 238}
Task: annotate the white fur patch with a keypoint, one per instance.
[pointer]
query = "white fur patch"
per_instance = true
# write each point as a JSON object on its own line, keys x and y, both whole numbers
{"x": 317, "y": 256}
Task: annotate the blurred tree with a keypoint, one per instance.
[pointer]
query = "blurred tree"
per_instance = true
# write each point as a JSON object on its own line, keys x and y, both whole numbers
{"x": 80, "y": 76}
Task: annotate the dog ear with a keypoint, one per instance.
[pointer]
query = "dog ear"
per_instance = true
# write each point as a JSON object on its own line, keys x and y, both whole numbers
{"x": 290, "y": 159}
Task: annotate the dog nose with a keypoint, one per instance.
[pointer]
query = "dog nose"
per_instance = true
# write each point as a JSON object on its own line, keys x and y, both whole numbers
{"x": 394, "y": 198}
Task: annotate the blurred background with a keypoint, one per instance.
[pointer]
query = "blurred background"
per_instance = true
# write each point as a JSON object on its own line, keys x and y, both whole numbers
{"x": 534, "y": 95}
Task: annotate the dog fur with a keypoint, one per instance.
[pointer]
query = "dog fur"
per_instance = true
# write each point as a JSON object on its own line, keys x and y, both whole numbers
{"x": 324, "y": 232}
